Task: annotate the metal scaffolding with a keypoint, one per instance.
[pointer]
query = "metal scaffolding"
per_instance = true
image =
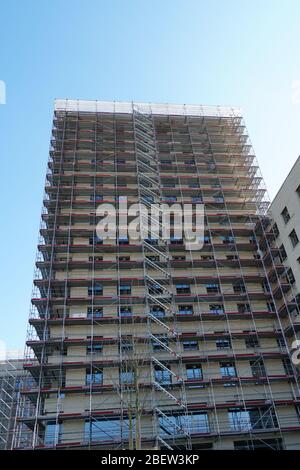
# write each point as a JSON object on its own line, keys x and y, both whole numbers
{"x": 147, "y": 344}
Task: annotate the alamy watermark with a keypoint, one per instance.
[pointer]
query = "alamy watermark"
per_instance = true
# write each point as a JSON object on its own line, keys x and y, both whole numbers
{"x": 152, "y": 222}
{"x": 2, "y": 92}
{"x": 295, "y": 356}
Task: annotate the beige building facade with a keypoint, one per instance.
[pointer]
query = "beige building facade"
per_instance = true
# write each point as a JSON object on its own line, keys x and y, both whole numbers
{"x": 145, "y": 344}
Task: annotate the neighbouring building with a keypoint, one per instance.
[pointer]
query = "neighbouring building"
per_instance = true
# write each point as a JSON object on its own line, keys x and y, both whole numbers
{"x": 145, "y": 344}
{"x": 11, "y": 377}
{"x": 285, "y": 210}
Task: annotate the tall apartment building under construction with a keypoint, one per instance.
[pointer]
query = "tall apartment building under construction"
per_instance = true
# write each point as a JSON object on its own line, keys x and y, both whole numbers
{"x": 147, "y": 344}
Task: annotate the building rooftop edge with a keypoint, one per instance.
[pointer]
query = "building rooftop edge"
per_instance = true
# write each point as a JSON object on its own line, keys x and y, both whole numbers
{"x": 151, "y": 108}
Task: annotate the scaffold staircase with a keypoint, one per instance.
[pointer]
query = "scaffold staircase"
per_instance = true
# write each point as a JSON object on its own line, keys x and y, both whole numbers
{"x": 159, "y": 297}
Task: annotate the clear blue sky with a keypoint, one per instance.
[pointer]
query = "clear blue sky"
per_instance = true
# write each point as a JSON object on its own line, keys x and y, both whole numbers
{"x": 243, "y": 53}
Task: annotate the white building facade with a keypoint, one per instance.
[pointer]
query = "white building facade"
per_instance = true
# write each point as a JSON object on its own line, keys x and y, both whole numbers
{"x": 285, "y": 210}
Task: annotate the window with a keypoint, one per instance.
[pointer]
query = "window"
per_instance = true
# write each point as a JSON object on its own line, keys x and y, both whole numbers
{"x": 96, "y": 197}
{"x": 290, "y": 276}
{"x": 178, "y": 258}
{"x": 196, "y": 423}
{"x": 283, "y": 254}
{"x": 196, "y": 199}
{"x": 120, "y": 198}
{"x": 162, "y": 376}
{"x": 152, "y": 257}
{"x": 239, "y": 420}
{"x": 149, "y": 199}
{"x": 125, "y": 311}
{"x": 275, "y": 230}
{"x": 96, "y": 289}
{"x": 194, "y": 372}
{"x": 159, "y": 341}
{"x": 53, "y": 433}
{"x": 227, "y": 369}
{"x": 258, "y": 368}
{"x": 155, "y": 289}
{"x": 232, "y": 257}
{"x": 126, "y": 345}
{"x": 190, "y": 345}
{"x": 294, "y": 238}
{"x": 185, "y": 310}
{"x": 223, "y": 344}
{"x": 126, "y": 376}
{"x": 94, "y": 349}
{"x": 96, "y": 240}
{"x": 253, "y": 418}
{"x": 263, "y": 418}
{"x": 213, "y": 287}
{"x": 93, "y": 312}
{"x": 211, "y": 165}
{"x": 95, "y": 258}
{"x": 175, "y": 240}
{"x": 217, "y": 309}
{"x": 157, "y": 311}
{"x": 124, "y": 289}
{"x": 183, "y": 289}
{"x": 106, "y": 429}
{"x": 281, "y": 342}
{"x": 285, "y": 215}
{"x": 94, "y": 376}
{"x": 244, "y": 308}
{"x": 170, "y": 198}
{"x": 123, "y": 241}
{"x": 271, "y": 307}
{"x": 228, "y": 239}
{"x": 207, "y": 257}
{"x": 123, "y": 258}
{"x": 146, "y": 183}
{"x": 251, "y": 342}
{"x": 239, "y": 287}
